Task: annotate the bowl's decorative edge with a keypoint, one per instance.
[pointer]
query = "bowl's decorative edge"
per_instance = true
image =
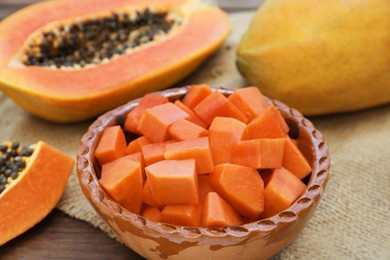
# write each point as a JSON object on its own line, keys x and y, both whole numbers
{"x": 104, "y": 204}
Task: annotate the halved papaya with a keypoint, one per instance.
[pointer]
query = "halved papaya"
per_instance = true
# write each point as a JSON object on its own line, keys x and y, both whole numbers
{"x": 69, "y": 60}
{"x": 32, "y": 180}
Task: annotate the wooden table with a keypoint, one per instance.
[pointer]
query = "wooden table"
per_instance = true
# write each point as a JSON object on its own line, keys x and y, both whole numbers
{"x": 58, "y": 236}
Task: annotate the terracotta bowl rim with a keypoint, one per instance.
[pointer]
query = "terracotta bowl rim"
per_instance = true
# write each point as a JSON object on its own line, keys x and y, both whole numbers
{"x": 95, "y": 194}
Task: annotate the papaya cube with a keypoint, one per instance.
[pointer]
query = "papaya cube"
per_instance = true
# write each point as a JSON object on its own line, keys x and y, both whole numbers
{"x": 194, "y": 118}
{"x": 183, "y": 215}
{"x": 195, "y": 95}
{"x": 153, "y": 152}
{"x": 173, "y": 182}
{"x": 111, "y": 146}
{"x": 216, "y": 104}
{"x": 269, "y": 124}
{"x": 138, "y": 158}
{"x": 241, "y": 186}
{"x": 218, "y": 213}
{"x": 204, "y": 187}
{"x": 134, "y": 116}
{"x": 122, "y": 179}
{"x": 155, "y": 121}
{"x": 282, "y": 190}
{"x": 294, "y": 161}
{"x": 259, "y": 153}
{"x": 183, "y": 129}
{"x": 223, "y": 133}
{"x": 135, "y": 145}
{"x": 147, "y": 196}
{"x": 250, "y": 101}
{"x": 197, "y": 149}
{"x": 151, "y": 213}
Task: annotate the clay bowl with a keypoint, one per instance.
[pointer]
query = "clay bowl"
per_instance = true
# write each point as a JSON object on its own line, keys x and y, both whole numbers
{"x": 257, "y": 240}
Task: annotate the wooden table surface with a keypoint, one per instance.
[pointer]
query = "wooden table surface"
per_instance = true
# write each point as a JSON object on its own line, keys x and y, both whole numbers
{"x": 59, "y": 236}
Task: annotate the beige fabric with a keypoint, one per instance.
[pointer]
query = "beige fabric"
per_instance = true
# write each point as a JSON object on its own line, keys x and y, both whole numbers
{"x": 352, "y": 220}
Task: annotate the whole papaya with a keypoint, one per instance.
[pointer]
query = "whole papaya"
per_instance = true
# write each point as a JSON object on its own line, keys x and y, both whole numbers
{"x": 320, "y": 57}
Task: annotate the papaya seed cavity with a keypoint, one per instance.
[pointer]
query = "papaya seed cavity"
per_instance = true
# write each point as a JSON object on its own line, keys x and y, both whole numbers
{"x": 90, "y": 41}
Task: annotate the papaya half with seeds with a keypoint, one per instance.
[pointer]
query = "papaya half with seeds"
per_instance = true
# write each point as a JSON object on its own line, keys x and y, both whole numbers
{"x": 70, "y": 60}
{"x": 32, "y": 180}
{"x": 320, "y": 58}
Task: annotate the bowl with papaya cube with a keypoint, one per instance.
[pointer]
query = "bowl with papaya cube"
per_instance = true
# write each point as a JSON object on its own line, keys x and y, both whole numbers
{"x": 204, "y": 173}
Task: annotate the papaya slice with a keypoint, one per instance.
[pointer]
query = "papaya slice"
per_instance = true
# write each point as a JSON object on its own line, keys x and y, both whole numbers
{"x": 48, "y": 67}
{"x": 31, "y": 190}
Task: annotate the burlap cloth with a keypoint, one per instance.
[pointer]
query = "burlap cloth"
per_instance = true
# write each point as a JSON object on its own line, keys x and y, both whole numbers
{"x": 352, "y": 219}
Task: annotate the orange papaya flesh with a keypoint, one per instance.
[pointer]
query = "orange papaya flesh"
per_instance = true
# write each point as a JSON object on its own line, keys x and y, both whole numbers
{"x": 173, "y": 182}
{"x": 151, "y": 213}
{"x": 155, "y": 121}
{"x": 180, "y": 175}
{"x": 250, "y": 101}
{"x": 204, "y": 187}
{"x": 28, "y": 197}
{"x": 183, "y": 129}
{"x": 195, "y": 95}
{"x": 194, "y": 118}
{"x": 218, "y": 213}
{"x": 216, "y": 104}
{"x": 223, "y": 133}
{"x": 123, "y": 180}
{"x": 242, "y": 187}
{"x": 153, "y": 152}
{"x": 75, "y": 94}
{"x": 259, "y": 153}
{"x": 184, "y": 215}
{"x": 267, "y": 125}
{"x": 147, "y": 196}
{"x": 282, "y": 190}
{"x": 197, "y": 149}
{"x": 134, "y": 116}
{"x": 294, "y": 161}
{"x": 135, "y": 145}
{"x": 111, "y": 146}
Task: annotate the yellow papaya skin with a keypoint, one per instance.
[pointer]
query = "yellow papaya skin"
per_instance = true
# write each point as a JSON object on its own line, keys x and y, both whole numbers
{"x": 320, "y": 57}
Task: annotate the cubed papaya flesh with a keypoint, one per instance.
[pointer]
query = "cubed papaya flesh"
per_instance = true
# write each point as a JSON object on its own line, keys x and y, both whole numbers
{"x": 135, "y": 145}
{"x": 282, "y": 190}
{"x": 183, "y": 129}
{"x": 267, "y": 125}
{"x": 134, "y": 116}
{"x": 147, "y": 196}
{"x": 153, "y": 152}
{"x": 173, "y": 182}
{"x": 241, "y": 186}
{"x": 216, "y": 104}
{"x": 294, "y": 161}
{"x": 151, "y": 213}
{"x": 155, "y": 121}
{"x": 197, "y": 149}
{"x": 259, "y": 153}
{"x": 183, "y": 215}
{"x": 223, "y": 133}
{"x": 204, "y": 187}
{"x": 195, "y": 95}
{"x": 194, "y": 118}
{"x": 122, "y": 179}
{"x": 250, "y": 101}
{"x": 111, "y": 146}
{"x": 218, "y": 213}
